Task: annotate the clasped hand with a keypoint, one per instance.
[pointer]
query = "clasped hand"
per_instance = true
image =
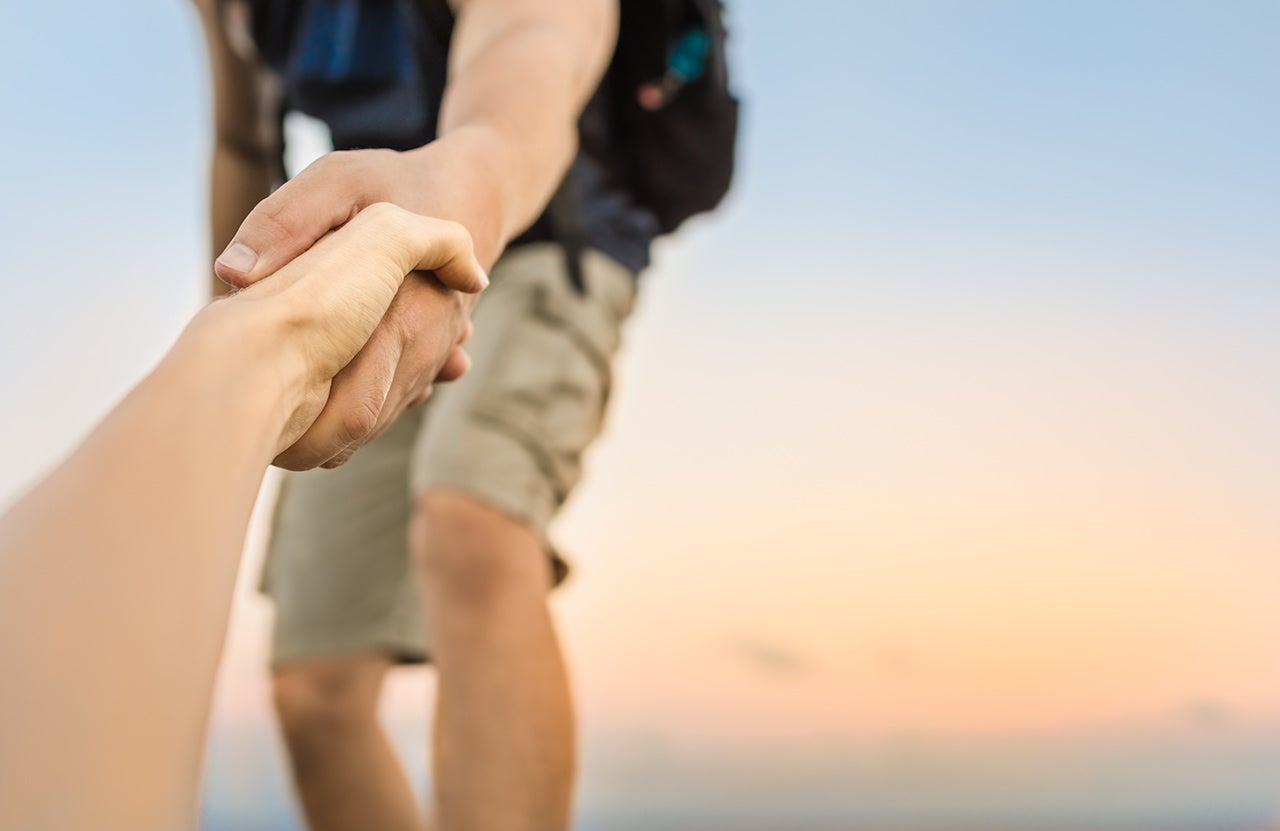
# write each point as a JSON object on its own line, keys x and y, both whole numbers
{"x": 334, "y": 340}
{"x": 414, "y": 344}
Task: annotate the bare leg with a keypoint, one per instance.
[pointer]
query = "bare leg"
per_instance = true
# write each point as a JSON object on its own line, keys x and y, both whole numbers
{"x": 347, "y": 775}
{"x": 504, "y": 741}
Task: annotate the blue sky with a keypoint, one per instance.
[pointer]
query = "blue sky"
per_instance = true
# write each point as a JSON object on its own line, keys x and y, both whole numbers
{"x": 994, "y": 301}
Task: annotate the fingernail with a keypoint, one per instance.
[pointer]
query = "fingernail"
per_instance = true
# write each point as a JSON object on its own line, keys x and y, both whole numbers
{"x": 484, "y": 280}
{"x": 238, "y": 257}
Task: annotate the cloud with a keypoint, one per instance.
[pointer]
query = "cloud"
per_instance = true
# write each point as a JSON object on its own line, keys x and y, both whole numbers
{"x": 1208, "y": 713}
{"x": 770, "y": 658}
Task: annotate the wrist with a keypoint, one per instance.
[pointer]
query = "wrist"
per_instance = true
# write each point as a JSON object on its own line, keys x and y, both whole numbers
{"x": 462, "y": 176}
{"x": 240, "y": 349}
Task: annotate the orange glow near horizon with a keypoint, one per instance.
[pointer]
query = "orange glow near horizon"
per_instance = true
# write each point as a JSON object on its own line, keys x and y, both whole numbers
{"x": 944, "y": 548}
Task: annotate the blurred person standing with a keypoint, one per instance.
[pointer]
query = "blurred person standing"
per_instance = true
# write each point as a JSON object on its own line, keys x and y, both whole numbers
{"x": 565, "y": 135}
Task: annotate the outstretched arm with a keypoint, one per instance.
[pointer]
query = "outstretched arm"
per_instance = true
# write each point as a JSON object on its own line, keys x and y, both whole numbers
{"x": 116, "y": 572}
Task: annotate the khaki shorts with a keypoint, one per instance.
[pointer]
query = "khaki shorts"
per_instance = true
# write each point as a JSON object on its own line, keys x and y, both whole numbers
{"x": 512, "y": 432}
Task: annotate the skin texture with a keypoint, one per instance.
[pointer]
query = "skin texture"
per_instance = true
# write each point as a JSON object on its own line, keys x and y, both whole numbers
{"x": 247, "y": 156}
{"x": 117, "y": 570}
{"x": 504, "y": 742}
{"x": 520, "y": 73}
{"x": 329, "y": 711}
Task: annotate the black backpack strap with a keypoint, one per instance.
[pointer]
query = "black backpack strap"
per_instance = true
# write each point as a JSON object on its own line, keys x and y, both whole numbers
{"x": 439, "y": 18}
{"x": 563, "y": 210}
{"x": 567, "y": 226}
{"x": 678, "y": 129}
{"x": 433, "y": 35}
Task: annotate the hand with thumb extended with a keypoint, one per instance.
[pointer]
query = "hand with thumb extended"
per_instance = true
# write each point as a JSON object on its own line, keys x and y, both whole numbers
{"x": 416, "y": 343}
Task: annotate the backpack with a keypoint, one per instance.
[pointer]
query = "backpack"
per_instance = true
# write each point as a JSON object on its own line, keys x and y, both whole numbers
{"x": 671, "y": 110}
{"x": 678, "y": 121}
{"x": 670, "y": 117}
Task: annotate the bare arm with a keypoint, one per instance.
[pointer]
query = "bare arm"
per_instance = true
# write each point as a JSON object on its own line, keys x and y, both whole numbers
{"x": 246, "y": 160}
{"x": 521, "y": 72}
{"x": 116, "y": 572}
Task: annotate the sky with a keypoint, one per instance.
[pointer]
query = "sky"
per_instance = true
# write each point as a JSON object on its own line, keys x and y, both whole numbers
{"x": 942, "y": 479}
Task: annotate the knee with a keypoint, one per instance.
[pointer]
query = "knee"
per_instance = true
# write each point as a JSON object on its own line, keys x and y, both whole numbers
{"x": 468, "y": 551}
{"x": 317, "y": 700}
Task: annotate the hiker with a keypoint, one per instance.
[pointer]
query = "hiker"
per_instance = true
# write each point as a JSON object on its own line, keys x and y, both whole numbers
{"x": 565, "y": 135}
{"x": 117, "y": 570}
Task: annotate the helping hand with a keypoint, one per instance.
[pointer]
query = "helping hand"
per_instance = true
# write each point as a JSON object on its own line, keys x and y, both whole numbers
{"x": 417, "y": 341}
{"x": 332, "y": 302}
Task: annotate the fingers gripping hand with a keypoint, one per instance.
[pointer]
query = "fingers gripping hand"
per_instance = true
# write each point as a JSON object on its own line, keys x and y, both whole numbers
{"x": 339, "y": 299}
{"x": 393, "y": 371}
{"x": 324, "y": 196}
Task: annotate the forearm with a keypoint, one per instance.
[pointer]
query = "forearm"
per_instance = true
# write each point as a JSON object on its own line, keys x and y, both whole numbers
{"x": 116, "y": 576}
{"x": 521, "y": 71}
{"x": 116, "y": 572}
{"x": 246, "y": 153}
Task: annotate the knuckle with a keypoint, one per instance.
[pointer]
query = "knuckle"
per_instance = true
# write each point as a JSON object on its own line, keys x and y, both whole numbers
{"x": 383, "y": 213}
{"x": 421, "y": 396}
{"x": 396, "y": 226}
{"x": 360, "y": 419}
{"x": 338, "y": 461}
{"x": 456, "y": 233}
{"x": 274, "y": 221}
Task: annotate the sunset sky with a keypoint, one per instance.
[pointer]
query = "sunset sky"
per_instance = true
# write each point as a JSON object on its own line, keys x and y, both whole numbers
{"x": 943, "y": 473}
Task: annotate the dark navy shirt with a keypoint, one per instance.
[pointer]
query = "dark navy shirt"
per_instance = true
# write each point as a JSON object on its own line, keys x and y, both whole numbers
{"x": 374, "y": 72}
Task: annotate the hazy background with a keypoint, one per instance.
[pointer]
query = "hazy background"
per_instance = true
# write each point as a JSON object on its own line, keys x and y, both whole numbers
{"x": 942, "y": 488}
